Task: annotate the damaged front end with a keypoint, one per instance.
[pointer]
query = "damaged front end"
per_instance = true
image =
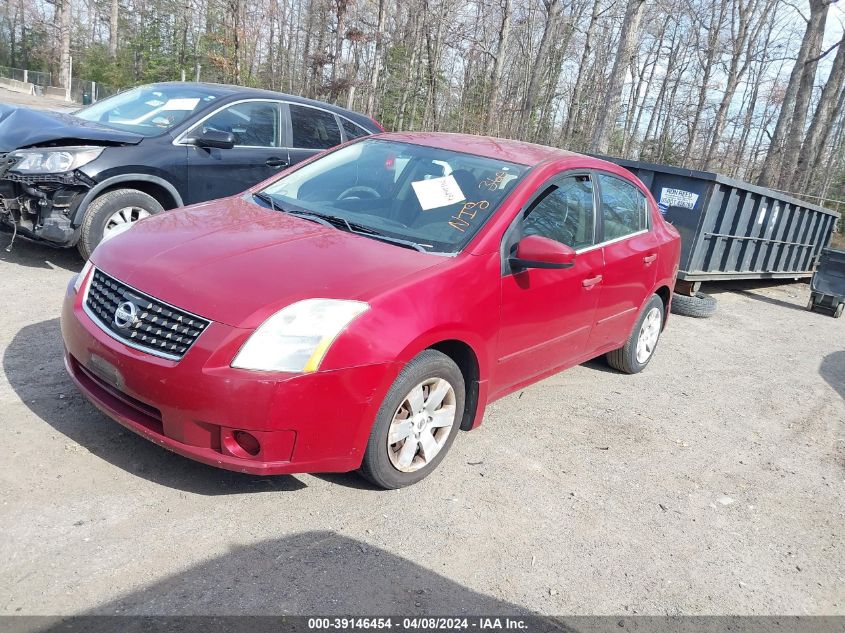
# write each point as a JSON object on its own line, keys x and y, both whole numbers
{"x": 40, "y": 206}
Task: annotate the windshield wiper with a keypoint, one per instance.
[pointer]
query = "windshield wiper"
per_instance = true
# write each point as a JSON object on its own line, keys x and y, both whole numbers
{"x": 365, "y": 230}
{"x": 359, "y": 229}
{"x": 268, "y": 199}
{"x": 342, "y": 223}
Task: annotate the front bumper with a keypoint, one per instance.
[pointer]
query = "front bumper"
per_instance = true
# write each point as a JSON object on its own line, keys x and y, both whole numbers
{"x": 316, "y": 422}
{"x": 42, "y": 207}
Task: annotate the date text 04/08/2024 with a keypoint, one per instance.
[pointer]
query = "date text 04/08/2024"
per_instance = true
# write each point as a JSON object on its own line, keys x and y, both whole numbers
{"x": 418, "y": 623}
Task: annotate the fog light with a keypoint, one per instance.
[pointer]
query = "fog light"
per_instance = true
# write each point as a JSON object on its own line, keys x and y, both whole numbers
{"x": 247, "y": 442}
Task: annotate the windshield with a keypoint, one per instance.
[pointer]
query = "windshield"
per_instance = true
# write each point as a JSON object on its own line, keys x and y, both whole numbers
{"x": 147, "y": 110}
{"x": 435, "y": 198}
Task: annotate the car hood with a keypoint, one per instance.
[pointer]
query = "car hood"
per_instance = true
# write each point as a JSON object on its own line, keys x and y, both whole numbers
{"x": 237, "y": 263}
{"x": 23, "y": 127}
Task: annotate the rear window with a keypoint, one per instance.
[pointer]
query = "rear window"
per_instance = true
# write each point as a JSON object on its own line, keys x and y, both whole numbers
{"x": 352, "y": 130}
{"x": 624, "y": 208}
{"x": 313, "y": 128}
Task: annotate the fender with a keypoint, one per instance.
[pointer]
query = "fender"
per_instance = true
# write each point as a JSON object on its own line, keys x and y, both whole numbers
{"x": 76, "y": 220}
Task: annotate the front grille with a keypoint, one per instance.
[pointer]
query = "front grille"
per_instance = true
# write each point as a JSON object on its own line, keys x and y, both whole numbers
{"x": 34, "y": 179}
{"x": 142, "y": 322}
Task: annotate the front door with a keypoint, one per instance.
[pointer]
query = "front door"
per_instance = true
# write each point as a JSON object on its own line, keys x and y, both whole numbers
{"x": 547, "y": 314}
{"x": 257, "y": 154}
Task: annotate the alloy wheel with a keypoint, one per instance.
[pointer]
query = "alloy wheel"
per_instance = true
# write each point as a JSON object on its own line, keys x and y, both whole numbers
{"x": 649, "y": 333}
{"x": 126, "y": 215}
{"x": 421, "y": 425}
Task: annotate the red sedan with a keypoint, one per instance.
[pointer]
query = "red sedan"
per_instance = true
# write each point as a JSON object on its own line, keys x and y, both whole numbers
{"x": 359, "y": 310}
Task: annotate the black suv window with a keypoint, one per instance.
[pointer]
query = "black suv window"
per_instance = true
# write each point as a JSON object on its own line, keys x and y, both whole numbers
{"x": 352, "y": 130}
{"x": 623, "y": 208}
{"x": 564, "y": 212}
{"x": 253, "y": 123}
{"x": 313, "y": 128}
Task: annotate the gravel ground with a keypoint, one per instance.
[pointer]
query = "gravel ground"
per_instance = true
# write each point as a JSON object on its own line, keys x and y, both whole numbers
{"x": 713, "y": 483}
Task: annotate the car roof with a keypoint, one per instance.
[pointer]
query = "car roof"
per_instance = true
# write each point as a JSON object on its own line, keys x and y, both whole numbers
{"x": 227, "y": 90}
{"x": 511, "y": 150}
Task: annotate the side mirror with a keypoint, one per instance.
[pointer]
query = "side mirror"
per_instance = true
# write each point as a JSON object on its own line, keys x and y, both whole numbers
{"x": 535, "y": 251}
{"x": 213, "y": 138}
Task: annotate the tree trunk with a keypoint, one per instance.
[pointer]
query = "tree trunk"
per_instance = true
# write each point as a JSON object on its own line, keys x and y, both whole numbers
{"x": 382, "y": 19}
{"x": 498, "y": 65}
{"x": 788, "y": 111}
{"x": 64, "y": 43}
{"x": 553, "y": 8}
{"x": 627, "y": 41}
{"x": 574, "y": 111}
{"x": 822, "y": 123}
{"x": 798, "y": 125}
{"x": 742, "y": 40}
{"x": 713, "y": 30}
{"x": 113, "y": 25}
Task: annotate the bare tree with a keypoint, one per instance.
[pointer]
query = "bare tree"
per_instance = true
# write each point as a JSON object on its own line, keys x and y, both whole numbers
{"x": 613, "y": 95}
{"x": 803, "y": 73}
{"x": 822, "y": 123}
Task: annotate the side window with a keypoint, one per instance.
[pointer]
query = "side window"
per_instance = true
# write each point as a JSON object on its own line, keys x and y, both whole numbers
{"x": 352, "y": 130}
{"x": 624, "y": 208}
{"x": 564, "y": 212}
{"x": 253, "y": 123}
{"x": 313, "y": 128}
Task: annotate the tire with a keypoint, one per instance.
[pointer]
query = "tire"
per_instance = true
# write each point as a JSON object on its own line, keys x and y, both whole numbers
{"x": 700, "y": 306}
{"x": 839, "y": 309}
{"x": 627, "y": 358}
{"x": 810, "y": 304}
{"x": 100, "y": 212}
{"x": 382, "y": 461}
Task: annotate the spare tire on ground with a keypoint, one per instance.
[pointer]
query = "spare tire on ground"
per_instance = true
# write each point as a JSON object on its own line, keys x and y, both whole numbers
{"x": 700, "y": 305}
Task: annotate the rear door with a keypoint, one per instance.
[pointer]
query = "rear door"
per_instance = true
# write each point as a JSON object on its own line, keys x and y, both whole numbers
{"x": 258, "y": 152}
{"x": 630, "y": 258}
{"x": 311, "y": 130}
{"x": 547, "y": 314}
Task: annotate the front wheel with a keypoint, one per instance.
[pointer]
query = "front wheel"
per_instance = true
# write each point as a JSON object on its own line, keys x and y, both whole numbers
{"x": 110, "y": 211}
{"x": 638, "y": 350}
{"x": 417, "y": 422}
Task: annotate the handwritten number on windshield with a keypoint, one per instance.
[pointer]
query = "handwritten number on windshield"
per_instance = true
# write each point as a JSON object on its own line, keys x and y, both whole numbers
{"x": 461, "y": 220}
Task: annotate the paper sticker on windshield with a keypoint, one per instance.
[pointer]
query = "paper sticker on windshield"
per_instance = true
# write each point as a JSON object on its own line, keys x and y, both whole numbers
{"x": 677, "y": 198}
{"x": 181, "y": 104}
{"x": 437, "y": 192}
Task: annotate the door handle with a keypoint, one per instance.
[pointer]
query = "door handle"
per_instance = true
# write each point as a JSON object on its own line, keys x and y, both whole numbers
{"x": 650, "y": 258}
{"x": 276, "y": 162}
{"x": 592, "y": 281}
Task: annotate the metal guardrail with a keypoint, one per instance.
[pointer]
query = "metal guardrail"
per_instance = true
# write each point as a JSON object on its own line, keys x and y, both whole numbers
{"x": 81, "y": 91}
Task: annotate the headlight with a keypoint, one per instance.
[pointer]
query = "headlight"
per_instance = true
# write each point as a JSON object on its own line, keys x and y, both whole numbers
{"x": 54, "y": 161}
{"x": 298, "y": 337}
{"x": 77, "y": 284}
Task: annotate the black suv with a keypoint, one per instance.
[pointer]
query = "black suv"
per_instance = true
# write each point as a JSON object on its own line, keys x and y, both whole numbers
{"x": 68, "y": 179}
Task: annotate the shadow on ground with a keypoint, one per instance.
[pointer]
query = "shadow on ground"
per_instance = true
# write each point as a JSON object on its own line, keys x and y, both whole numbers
{"x": 310, "y": 573}
{"x": 749, "y": 288}
{"x": 770, "y": 300}
{"x": 35, "y": 370}
{"x": 746, "y": 285}
{"x": 33, "y": 255}
{"x": 832, "y": 370}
